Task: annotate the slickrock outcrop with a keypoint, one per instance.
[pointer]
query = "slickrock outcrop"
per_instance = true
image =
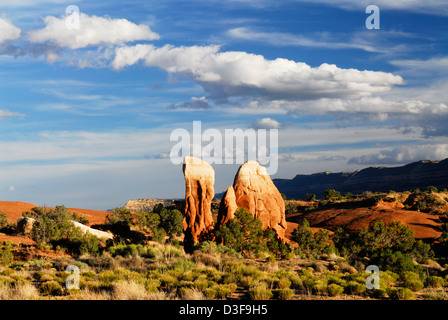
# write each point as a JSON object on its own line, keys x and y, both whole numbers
{"x": 199, "y": 192}
{"x": 25, "y": 225}
{"x": 254, "y": 190}
{"x": 98, "y": 233}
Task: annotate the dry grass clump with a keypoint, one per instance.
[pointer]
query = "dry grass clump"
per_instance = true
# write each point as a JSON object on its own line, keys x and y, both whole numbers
{"x": 25, "y": 291}
{"x": 128, "y": 290}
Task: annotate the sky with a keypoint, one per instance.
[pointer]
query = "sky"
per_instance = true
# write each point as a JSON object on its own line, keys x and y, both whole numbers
{"x": 88, "y": 105}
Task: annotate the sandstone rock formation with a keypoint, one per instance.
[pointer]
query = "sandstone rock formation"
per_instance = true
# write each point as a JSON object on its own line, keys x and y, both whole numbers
{"x": 147, "y": 205}
{"x": 98, "y": 233}
{"x": 254, "y": 190}
{"x": 25, "y": 225}
{"x": 227, "y": 207}
{"x": 199, "y": 192}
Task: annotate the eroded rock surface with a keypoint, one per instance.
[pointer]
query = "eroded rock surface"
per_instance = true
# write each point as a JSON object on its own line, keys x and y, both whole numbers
{"x": 199, "y": 193}
{"x": 254, "y": 190}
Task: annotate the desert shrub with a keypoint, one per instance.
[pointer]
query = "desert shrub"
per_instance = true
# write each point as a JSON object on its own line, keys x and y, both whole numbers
{"x": 334, "y": 290}
{"x": 435, "y": 282}
{"x": 308, "y": 242}
{"x": 388, "y": 278}
{"x": 275, "y": 245}
{"x": 259, "y": 291}
{"x": 120, "y": 222}
{"x": 51, "y": 225}
{"x": 389, "y": 246}
{"x": 210, "y": 293}
{"x": 421, "y": 251}
{"x": 243, "y": 233}
{"x": 148, "y": 221}
{"x": 396, "y": 262}
{"x": 435, "y": 295}
{"x": 6, "y": 256}
{"x": 404, "y": 294}
{"x": 282, "y": 294}
{"x": 120, "y": 215}
{"x": 319, "y": 286}
{"x": 284, "y": 283}
{"x": 161, "y": 222}
{"x": 3, "y": 220}
{"x": 54, "y": 227}
{"x": 223, "y": 291}
{"x": 79, "y": 218}
{"x": 51, "y": 288}
{"x": 171, "y": 222}
{"x": 132, "y": 250}
{"x": 354, "y": 287}
{"x": 331, "y": 194}
{"x": 303, "y": 236}
{"x": 183, "y": 265}
{"x": 290, "y": 208}
{"x": 411, "y": 280}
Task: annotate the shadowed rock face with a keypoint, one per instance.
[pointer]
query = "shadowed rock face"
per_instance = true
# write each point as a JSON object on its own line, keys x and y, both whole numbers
{"x": 254, "y": 190}
{"x": 227, "y": 207}
{"x": 199, "y": 193}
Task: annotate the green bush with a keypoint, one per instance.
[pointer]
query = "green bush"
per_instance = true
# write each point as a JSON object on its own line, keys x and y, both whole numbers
{"x": 259, "y": 292}
{"x": 161, "y": 222}
{"x": 411, "y": 280}
{"x": 435, "y": 282}
{"x": 308, "y": 242}
{"x": 243, "y": 233}
{"x": 3, "y": 220}
{"x": 404, "y": 294}
{"x": 303, "y": 236}
{"x": 171, "y": 221}
{"x": 51, "y": 288}
{"x": 331, "y": 194}
{"x": 6, "y": 256}
{"x": 275, "y": 245}
{"x": 120, "y": 215}
{"x": 334, "y": 289}
{"x": 354, "y": 287}
{"x": 51, "y": 225}
{"x": 281, "y": 294}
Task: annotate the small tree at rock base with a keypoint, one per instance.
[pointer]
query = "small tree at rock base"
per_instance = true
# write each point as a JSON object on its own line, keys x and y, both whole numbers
{"x": 243, "y": 233}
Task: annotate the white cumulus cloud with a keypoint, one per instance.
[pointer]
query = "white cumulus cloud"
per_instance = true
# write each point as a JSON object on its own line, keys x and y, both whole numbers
{"x": 8, "y": 31}
{"x": 92, "y": 31}
{"x": 266, "y": 123}
{"x": 241, "y": 74}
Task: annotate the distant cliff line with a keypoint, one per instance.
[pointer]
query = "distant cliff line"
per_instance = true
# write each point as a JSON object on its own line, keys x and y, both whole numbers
{"x": 419, "y": 174}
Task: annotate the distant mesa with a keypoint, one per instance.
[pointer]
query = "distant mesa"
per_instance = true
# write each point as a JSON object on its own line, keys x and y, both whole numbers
{"x": 419, "y": 174}
{"x": 148, "y": 205}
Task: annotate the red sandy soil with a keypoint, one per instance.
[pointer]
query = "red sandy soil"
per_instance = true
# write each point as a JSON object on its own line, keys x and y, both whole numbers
{"x": 424, "y": 225}
{"x": 14, "y": 209}
{"x": 16, "y": 240}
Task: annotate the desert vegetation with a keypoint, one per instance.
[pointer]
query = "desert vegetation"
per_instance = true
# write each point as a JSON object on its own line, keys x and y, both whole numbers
{"x": 146, "y": 260}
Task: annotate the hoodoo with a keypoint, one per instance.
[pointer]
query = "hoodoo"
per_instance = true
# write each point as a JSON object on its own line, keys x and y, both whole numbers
{"x": 254, "y": 190}
{"x": 199, "y": 193}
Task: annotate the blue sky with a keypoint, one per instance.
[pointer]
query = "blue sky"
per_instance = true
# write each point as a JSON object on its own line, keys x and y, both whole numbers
{"x": 86, "y": 114}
